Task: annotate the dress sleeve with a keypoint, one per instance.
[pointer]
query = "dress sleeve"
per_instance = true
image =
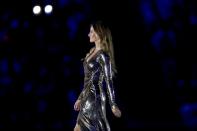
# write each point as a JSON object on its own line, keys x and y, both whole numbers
{"x": 81, "y": 95}
{"x": 107, "y": 70}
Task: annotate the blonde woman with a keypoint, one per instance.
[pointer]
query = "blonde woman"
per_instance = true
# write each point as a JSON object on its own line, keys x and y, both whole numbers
{"x": 99, "y": 67}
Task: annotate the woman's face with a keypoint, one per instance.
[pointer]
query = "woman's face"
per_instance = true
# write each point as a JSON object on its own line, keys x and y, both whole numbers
{"x": 93, "y": 35}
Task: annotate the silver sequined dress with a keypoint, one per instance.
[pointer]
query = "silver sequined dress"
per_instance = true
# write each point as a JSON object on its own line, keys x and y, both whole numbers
{"x": 98, "y": 84}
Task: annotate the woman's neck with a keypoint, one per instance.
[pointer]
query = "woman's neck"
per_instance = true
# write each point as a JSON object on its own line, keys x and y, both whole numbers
{"x": 97, "y": 45}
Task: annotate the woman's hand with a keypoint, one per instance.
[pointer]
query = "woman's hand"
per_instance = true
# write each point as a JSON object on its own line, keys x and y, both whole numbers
{"x": 116, "y": 111}
{"x": 77, "y": 105}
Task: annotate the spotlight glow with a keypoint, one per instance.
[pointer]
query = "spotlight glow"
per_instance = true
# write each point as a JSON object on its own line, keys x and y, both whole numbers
{"x": 36, "y": 9}
{"x": 48, "y": 9}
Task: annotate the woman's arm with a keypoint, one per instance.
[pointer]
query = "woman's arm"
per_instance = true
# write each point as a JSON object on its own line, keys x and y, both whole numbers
{"x": 81, "y": 95}
{"x": 107, "y": 70}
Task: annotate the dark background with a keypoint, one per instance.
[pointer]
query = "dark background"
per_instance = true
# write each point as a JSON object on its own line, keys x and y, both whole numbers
{"x": 41, "y": 73}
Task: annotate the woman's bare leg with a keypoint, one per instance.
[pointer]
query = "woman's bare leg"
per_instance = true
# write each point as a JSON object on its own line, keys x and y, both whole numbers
{"x": 77, "y": 128}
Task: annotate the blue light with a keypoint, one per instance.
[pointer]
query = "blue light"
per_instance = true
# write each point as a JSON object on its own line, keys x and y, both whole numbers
{"x": 14, "y": 24}
{"x": 164, "y": 8}
{"x": 63, "y": 3}
{"x": 4, "y": 65}
{"x": 156, "y": 38}
{"x": 147, "y": 12}
{"x": 72, "y": 96}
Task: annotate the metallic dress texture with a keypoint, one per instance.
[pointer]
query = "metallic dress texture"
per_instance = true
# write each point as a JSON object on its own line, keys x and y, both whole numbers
{"x": 98, "y": 84}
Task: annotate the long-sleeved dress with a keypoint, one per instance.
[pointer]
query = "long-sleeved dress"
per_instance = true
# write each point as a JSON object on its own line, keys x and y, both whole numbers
{"x": 97, "y": 84}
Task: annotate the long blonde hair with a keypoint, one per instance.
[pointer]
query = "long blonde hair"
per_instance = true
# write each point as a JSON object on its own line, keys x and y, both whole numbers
{"x": 105, "y": 36}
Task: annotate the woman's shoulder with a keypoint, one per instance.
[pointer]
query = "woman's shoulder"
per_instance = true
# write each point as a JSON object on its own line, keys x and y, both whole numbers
{"x": 103, "y": 52}
{"x": 103, "y": 55}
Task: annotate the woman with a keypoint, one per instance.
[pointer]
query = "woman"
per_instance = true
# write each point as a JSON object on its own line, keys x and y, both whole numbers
{"x": 99, "y": 67}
